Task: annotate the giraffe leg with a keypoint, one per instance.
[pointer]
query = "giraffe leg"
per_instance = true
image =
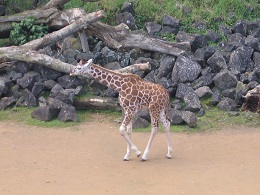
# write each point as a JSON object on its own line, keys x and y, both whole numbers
{"x": 166, "y": 123}
{"x": 129, "y": 133}
{"x": 155, "y": 125}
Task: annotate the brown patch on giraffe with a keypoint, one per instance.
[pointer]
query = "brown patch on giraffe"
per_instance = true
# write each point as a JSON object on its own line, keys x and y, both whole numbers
{"x": 109, "y": 78}
{"x": 134, "y": 92}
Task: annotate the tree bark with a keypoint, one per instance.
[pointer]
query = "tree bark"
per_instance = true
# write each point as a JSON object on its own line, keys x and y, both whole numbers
{"x": 76, "y": 20}
{"x": 97, "y": 103}
{"x": 120, "y": 37}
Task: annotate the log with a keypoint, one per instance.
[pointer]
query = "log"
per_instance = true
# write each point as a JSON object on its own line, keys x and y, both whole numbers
{"x": 134, "y": 68}
{"x": 120, "y": 37}
{"x": 252, "y": 100}
{"x": 74, "y": 27}
{"x": 97, "y": 103}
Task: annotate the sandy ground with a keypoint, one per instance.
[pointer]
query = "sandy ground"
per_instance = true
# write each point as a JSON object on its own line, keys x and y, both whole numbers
{"x": 87, "y": 159}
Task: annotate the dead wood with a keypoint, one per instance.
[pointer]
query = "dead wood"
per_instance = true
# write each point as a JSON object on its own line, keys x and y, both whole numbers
{"x": 97, "y": 103}
{"x": 120, "y": 37}
{"x": 252, "y": 100}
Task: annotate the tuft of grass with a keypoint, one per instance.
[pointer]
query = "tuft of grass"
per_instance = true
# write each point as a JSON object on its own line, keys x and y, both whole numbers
{"x": 212, "y": 12}
{"x": 214, "y": 119}
{"x": 23, "y": 115}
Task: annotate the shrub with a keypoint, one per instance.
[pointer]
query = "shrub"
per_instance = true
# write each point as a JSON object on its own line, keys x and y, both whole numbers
{"x": 26, "y": 31}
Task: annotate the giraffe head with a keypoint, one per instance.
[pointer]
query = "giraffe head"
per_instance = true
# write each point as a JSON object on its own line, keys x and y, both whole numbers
{"x": 81, "y": 68}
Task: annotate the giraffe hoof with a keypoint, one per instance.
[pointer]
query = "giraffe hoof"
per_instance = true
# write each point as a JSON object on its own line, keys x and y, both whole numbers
{"x": 138, "y": 154}
{"x": 142, "y": 160}
{"x": 125, "y": 159}
{"x": 168, "y": 157}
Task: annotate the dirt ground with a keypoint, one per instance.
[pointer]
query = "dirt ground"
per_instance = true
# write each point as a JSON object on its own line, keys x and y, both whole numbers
{"x": 87, "y": 159}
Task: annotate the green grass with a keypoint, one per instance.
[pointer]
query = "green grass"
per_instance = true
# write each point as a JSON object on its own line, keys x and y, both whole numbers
{"x": 214, "y": 119}
{"x": 212, "y": 12}
{"x": 23, "y": 115}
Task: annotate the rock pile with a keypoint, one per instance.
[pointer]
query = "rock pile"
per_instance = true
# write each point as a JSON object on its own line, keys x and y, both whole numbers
{"x": 224, "y": 73}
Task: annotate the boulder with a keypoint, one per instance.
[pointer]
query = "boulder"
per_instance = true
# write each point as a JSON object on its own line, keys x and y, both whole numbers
{"x": 68, "y": 113}
{"x": 29, "y": 98}
{"x": 37, "y": 88}
{"x": 144, "y": 114}
{"x": 6, "y": 102}
{"x": 217, "y": 62}
{"x": 140, "y": 123}
{"x": 13, "y": 75}
{"x": 182, "y": 90}
{"x": 166, "y": 66}
{"x": 128, "y": 7}
{"x": 196, "y": 40}
{"x": 239, "y": 59}
{"x": 28, "y": 80}
{"x": 240, "y": 27}
{"x": 225, "y": 80}
{"x": 21, "y": 67}
{"x": 47, "y": 73}
{"x": 5, "y": 84}
{"x": 153, "y": 28}
{"x": 128, "y": 19}
{"x": 212, "y": 36}
{"x": 227, "y": 104}
{"x": 185, "y": 70}
{"x": 176, "y": 117}
{"x": 44, "y": 113}
{"x": 216, "y": 97}
{"x": 64, "y": 95}
{"x": 204, "y": 92}
{"x": 189, "y": 118}
{"x": 192, "y": 102}
{"x": 68, "y": 82}
{"x": 206, "y": 79}
{"x": 2, "y": 10}
{"x": 168, "y": 20}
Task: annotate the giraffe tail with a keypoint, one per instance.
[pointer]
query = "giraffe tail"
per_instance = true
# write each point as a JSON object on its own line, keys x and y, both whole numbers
{"x": 167, "y": 112}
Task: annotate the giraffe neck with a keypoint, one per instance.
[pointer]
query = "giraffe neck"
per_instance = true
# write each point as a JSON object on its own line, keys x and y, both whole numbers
{"x": 106, "y": 77}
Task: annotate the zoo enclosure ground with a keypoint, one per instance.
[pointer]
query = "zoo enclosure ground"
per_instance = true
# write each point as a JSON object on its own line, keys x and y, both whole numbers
{"x": 87, "y": 159}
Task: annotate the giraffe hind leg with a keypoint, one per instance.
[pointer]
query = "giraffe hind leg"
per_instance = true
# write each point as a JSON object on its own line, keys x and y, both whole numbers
{"x": 166, "y": 123}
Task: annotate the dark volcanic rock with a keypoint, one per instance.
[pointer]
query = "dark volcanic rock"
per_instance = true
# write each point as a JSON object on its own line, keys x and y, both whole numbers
{"x": 28, "y": 80}
{"x": 217, "y": 62}
{"x": 182, "y": 90}
{"x": 166, "y": 66}
{"x": 192, "y": 102}
{"x": 45, "y": 113}
{"x": 239, "y": 59}
{"x": 128, "y": 19}
{"x": 68, "y": 113}
{"x": 6, "y": 102}
{"x": 185, "y": 70}
{"x": 225, "y": 80}
{"x": 227, "y": 104}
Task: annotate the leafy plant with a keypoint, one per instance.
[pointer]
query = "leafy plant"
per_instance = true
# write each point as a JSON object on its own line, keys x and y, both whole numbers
{"x": 26, "y": 31}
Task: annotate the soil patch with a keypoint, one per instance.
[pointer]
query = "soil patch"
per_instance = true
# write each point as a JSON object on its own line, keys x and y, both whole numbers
{"x": 87, "y": 159}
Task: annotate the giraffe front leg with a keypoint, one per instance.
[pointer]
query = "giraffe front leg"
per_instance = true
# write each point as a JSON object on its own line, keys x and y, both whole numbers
{"x": 153, "y": 133}
{"x": 128, "y": 150}
{"x": 128, "y": 140}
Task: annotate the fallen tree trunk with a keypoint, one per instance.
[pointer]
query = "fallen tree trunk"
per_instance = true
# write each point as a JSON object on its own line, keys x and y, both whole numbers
{"x": 97, "y": 103}
{"x": 120, "y": 37}
{"x": 76, "y": 20}
{"x": 252, "y": 100}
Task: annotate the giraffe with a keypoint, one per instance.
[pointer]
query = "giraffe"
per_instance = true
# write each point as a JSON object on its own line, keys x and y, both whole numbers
{"x": 134, "y": 94}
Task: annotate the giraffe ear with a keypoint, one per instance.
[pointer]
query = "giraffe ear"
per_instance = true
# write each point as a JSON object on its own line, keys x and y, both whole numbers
{"x": 89, "y": 62}
{"x": 81, "y": 63}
